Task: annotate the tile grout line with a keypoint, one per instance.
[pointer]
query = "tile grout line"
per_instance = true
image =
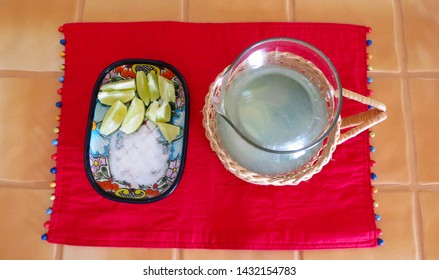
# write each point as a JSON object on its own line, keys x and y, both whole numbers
{"x": 79, "y": 11}
{"x": 298, "y": 255}
{"x": 29, "y": 74}
{"x": 78, "y": 17}
{"x": 401, "y": 48}
{"x": 404, "y": 187}
{"x": 177, "y": 254}
{"x": 424, "y": 74}
{"x": 395, "y": 188}
{"x": 30, "y": 185}
{"x": 291, "y": 8}
{"x": 59, "y": 249}
{"x": 185, "y": 10}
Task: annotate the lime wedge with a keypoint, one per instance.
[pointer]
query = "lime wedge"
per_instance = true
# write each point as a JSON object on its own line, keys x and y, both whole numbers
{"x": 120, "y": 85}
{"x": 134, "y": 117}
{"x": 151, "y": 112}
{"x": 167, "y": 89}
{"x": 163, "y": 113}
{"x": 113, "y": 118}
{"x": 142, "y": 87}
{"x": 169, "y": 131}
{"x": 109, "y": 97}
{"x": 153, "y": 86}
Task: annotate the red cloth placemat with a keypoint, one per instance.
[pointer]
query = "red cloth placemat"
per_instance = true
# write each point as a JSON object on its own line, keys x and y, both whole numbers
{"x": 210, "y": 208}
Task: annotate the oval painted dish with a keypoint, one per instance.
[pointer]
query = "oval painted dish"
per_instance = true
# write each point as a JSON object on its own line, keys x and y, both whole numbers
{"x": 137, "y": 131}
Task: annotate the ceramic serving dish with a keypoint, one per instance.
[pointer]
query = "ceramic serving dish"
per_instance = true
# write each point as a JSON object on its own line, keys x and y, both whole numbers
{"x": 144, "y": 165}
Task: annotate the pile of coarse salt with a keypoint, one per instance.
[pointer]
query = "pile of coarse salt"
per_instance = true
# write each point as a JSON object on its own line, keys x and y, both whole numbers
{"x": 138, "y": 158}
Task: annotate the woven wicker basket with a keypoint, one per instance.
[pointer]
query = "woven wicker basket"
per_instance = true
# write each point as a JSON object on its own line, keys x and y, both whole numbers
{"x": 356, "y": 124}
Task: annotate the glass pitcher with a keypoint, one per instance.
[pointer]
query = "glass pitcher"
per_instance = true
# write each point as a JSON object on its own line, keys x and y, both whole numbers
{"x": 277, "y": 102}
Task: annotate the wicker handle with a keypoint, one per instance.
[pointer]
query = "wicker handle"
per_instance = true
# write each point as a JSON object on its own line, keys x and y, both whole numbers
{"x": 362, "y": 121}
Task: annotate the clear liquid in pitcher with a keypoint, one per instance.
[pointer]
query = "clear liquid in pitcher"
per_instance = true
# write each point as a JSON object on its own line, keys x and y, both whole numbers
{"x": 276, "y": 107}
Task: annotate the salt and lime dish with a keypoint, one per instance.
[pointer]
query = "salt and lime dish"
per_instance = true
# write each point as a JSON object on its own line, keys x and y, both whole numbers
{"x": 137, "y": 132}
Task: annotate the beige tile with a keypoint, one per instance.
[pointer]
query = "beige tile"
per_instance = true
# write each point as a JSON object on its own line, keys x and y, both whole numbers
{"x": 29, "y": 31}
{"x": 27, "y": 118}
{"x": 430, "y": 224}
{"x": 378, "y": 14}
{"x": 396, "y": 210}
{"x": 392, "y": 165}
{"x": 22, "y": 220}
{"x": 238, "y": 11}
{"x": 104, "y": 253}
{"x": 421, "y": 31}
{"x": 236, "y": 255}
{"x": 424, "y": 99}
{"x": 133, "y": 10}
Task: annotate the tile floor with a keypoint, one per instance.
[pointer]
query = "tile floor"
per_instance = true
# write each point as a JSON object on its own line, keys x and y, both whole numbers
{"x": 406, "y": 74}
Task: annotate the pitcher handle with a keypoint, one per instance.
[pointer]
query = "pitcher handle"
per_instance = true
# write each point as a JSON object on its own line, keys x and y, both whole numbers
{"x": 362, "y": 121}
